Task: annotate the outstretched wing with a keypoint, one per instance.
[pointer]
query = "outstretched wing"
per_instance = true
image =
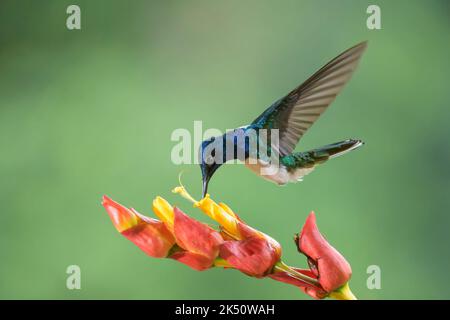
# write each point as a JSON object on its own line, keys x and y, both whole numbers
{"x": 296, "y": 112}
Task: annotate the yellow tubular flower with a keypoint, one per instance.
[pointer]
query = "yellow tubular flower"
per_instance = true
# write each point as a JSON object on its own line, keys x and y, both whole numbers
{"x": 227, "y": 209}
{"x": 226, "y": 218}
{"x": 164, "y": 212}
{"x": 259, "y": 233}
{"x": 231, "y": 223}
{"x": 219, "y": 213}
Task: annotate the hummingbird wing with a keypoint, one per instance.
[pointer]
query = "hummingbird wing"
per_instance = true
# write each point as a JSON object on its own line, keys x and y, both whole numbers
{"x": 295, "y": 113}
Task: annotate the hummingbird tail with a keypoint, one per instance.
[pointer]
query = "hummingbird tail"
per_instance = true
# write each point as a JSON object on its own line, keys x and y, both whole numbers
{"x": 330, "y": 151}
{"x": 339, "y": 148}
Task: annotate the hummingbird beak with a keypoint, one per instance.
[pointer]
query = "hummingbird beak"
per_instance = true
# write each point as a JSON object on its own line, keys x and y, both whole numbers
{"x": 207, "y": 173}
{"x": 205, "y": 186}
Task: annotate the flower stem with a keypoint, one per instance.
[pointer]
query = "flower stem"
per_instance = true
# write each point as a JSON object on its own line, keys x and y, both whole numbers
{"x": 219, "y": 262}
{"x": 281, "y": 266}
{"x": 343, "y": 293}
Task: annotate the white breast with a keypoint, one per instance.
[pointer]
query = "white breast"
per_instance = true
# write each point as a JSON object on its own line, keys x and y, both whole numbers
{"x": 276, "y": 173}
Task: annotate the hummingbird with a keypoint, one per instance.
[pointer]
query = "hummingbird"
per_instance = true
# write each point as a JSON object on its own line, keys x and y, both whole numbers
{"x": 287, "y": 119}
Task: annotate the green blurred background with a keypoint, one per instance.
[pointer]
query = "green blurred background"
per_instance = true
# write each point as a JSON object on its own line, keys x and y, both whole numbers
{"x": 90, "y": 112}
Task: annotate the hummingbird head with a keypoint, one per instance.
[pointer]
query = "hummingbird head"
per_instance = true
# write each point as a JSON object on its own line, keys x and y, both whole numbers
{"x": 210, "y": 161}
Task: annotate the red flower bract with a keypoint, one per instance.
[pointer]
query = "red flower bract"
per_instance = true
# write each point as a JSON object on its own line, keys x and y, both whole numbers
{"x": 150, "y": 235}
{"x": 253, "y": 256}
{"x": 328, "y": 265}
{"x": 329, "y": 271}
{"x": 200, "y": 242}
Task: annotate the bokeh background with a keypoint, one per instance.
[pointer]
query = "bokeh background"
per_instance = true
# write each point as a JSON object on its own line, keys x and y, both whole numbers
{"x": 90, "y": 112}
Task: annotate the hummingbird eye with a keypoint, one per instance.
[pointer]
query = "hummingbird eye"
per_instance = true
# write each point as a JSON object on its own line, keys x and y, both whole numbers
{"x": 209, "y": 159}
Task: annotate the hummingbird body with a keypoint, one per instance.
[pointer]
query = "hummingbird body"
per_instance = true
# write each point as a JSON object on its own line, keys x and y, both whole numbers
{"x": 273, "y": 157}
{"x": 293, "y": 167}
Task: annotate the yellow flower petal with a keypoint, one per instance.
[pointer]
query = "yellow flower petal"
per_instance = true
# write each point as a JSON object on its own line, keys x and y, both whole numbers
{"x": 164, "y": 211}
{"x": 227, "y": 209}
{"x": 220, "y": 215}
{"x": 223, "y": 215}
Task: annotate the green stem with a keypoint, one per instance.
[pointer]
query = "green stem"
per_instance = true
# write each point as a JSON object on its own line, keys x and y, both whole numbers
{"x": 281, "y": 266}
{"x": 219, "y": 262}
{"x": 343, "y": 293}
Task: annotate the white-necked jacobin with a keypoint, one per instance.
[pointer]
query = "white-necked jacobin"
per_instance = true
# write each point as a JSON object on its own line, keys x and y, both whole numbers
{"x": 290, "y": 117}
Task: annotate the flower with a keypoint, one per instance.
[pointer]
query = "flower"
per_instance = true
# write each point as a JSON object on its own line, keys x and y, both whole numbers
{"x": 235, "y": 245}
{"x": 324, "y": 260}
{"x": 150, "y": 235}
{"x": 253, "y": 256}
{"x": 326, "y": 264}
{"x": 246, "y": 249}
{"x": 177, "y": 236}
{"x": 199, "y": 241}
